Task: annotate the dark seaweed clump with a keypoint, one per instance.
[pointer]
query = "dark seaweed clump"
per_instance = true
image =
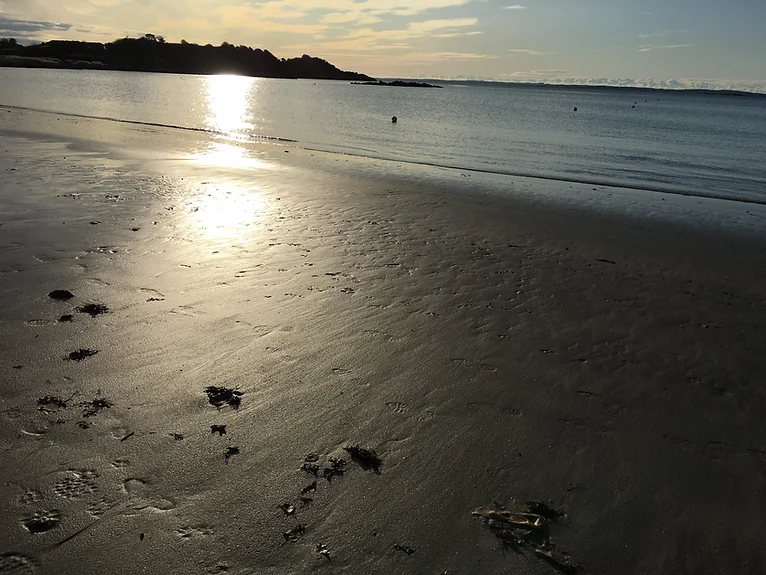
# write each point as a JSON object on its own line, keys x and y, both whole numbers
{"x": 230, "y": 452}
{"x": 336, "y": 468}
{"x": 220, "y": 396}
{"x": 80, "y": 354}
{"x": 49, "y": 400}
{"x": 93, "y": 408}
{"x": 93, "y": 309}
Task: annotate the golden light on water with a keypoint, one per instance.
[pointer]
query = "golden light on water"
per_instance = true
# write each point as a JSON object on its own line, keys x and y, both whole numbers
{"x": 227, "y": 100}
{"x": 229, "y": 208}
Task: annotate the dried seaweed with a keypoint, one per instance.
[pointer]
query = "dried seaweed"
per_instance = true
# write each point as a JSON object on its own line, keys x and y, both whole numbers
{"x": 336, "y": 468}
{"x": 80, "y": 354}
{"x": 93, "y": 408}
{"x": 92, "y": 309}
{"x": 220, "y": 396}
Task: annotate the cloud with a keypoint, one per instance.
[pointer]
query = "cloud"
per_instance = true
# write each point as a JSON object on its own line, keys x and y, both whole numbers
{"x": 29, "y": 28}
{"x": 369, "y": 39}
{"x": 359, "y": 17}
{"x": 422, "y": 28}
{"x": 418, "y": 58}
{"x": 662, "y": 34}
{"x": 515, "y": 7}
{"x": 650, "y": 47}
{"x": 527, "y": 52}
{"x": 266, "y": 18}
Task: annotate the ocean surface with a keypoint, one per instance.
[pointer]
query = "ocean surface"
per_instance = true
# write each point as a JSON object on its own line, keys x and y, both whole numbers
{"x": 690, "y": 143}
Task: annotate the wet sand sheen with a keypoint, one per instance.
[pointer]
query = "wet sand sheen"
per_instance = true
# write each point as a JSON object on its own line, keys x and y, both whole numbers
{"x": 301, "y": 369}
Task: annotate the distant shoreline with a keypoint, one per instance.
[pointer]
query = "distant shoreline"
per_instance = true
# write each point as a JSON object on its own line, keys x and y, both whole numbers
{"x": 153, "y": 54}
{"x": 591, "y": 87}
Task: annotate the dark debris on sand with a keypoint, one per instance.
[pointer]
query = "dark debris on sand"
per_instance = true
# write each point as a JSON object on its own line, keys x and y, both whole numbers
{"x": 367, "y": 459}
{"x": 336, "y": 468}
{"x": 293, "y": 535}
{"x": 322, "y": 549}
{"x": 93, "y": 408}
{"x": 230, "y": 452}
{"x": 530, "y": 529}
{"x": 93, "y": 309}
{"x": 80, "y": 354}
{"x": 309, "y": 488}
{"x": 220, "y": 396}
{"x": 46, "y": 402}
{"x": 311, "y": 465}
{"x": 219, "y": 429}
{"x": 404, "y": 549}
{"x": 563, "y": 564}
{"x": 61, "y": 295}
{"x": 66, "y": 318}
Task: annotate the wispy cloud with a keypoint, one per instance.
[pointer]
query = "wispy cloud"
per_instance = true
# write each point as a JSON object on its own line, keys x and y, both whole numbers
{"x": 662, "y": 34}
{"x": 650, "y": 47}
{"x": 24, "y": 28}
{"x": 417, "y": 58}
{"x": 515, "y": 7}
{"x": 527, "y": 52}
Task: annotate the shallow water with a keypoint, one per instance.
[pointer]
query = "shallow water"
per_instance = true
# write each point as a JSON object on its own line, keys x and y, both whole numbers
{"x": 689, "y": 143}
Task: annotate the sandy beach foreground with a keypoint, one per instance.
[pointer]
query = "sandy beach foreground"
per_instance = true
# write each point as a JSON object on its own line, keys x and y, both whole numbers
{"x": 297, "y": 362}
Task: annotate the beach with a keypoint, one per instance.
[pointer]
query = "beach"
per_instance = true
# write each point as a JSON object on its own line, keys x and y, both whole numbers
{"x": 491, "y": 341}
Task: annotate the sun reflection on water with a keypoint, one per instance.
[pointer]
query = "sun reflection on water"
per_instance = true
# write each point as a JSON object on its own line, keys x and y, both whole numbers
{"x": 228, "y": 209}
{"x": 227, "y": 100}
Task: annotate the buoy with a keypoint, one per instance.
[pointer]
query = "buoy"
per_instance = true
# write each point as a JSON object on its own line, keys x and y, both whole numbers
{"x": 394, "y": 120}
{"x": 575, "y": 108}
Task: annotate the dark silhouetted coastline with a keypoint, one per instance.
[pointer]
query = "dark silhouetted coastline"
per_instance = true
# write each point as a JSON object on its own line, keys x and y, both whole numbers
{"x": 153, "y": 54}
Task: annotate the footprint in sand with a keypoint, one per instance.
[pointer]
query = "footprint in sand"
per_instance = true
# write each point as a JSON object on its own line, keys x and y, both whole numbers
{"x": 31, "y": 497}
{"x": 100, "y": 507}
{"x": 397, "y": 406}
{"x": 42, "y": 521}
{"x": 134, "y": 486}
{"x": 76, "y": 484}
{"x": 15, "y": 564}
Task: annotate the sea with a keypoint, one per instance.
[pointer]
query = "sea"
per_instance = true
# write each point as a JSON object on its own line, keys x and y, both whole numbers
{"x": 690, "y": 143}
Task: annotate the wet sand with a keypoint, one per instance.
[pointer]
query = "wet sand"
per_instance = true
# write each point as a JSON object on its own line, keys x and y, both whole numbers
{"x": 312, "y": 363}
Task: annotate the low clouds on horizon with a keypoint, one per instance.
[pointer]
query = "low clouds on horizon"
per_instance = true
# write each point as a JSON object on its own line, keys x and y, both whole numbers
{"x": 491, "y": 39}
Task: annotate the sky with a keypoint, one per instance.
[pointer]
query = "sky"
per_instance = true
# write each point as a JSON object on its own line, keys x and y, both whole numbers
{"x": 661, "y": 43}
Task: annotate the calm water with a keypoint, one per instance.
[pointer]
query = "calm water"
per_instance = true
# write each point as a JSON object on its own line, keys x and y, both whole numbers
{"x": 697, "y": 144}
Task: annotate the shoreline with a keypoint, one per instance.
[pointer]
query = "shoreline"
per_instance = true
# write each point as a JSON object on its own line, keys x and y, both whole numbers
{"x": 489, "y": 341}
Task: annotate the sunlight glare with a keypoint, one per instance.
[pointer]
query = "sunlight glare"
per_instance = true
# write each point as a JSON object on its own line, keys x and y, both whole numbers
{"x": 227, "y": 100}
{"x": 229, "y": 155}
{"x": 227, "y": 211}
